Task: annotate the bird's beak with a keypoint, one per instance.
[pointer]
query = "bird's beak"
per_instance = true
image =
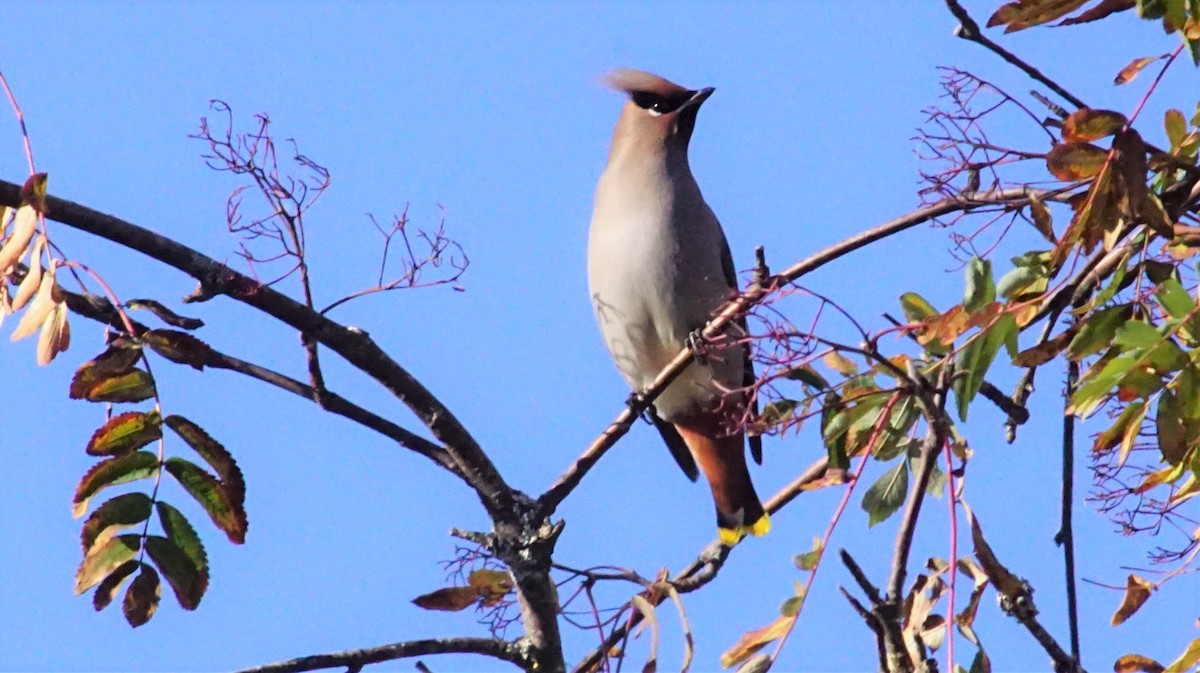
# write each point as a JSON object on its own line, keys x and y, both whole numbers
{"x": 698, "y": 97}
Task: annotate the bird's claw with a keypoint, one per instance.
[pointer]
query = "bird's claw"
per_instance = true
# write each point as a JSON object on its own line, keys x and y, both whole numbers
{"x": 698, "y": 345}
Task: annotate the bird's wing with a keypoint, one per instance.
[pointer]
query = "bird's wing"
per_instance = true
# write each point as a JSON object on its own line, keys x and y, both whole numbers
{"x": 748, "y": 376}
{"x": 679, "y": 450}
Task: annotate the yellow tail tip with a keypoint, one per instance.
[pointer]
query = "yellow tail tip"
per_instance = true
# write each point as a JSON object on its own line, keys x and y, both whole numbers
{"x": 731, "y": 536}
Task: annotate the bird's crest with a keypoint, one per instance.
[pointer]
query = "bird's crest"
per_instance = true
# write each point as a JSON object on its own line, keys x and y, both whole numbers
{"x": 630, "y": 80}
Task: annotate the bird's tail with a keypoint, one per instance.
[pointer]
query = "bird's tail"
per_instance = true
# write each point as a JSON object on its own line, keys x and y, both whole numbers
{"x": 722, "y": 458}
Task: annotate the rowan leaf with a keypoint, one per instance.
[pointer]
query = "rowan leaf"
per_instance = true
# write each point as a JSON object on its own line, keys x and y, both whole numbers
{"x": 887, "y": 494}
{"x": 213, "y": 453}
{"x": 116, "y": 514}
{"x": 1131, "y": 71}
{"x": 1098, "y": 330}
{"x": 1189, "y": 658}
{"x": 39, "y": 309}
{"x": 490, "y": 585}
{"x": 33, "y": 277}
{"x": 449, "y": 599}
{"x": 180, "y": 531}
{"x": 186, "y": 579}
{"x": 915, "y": 307}
{"x": 134, "y": 386}
{"x": 110, "y": 472}
{"x": 104, "y": 559}
{"x": 107, "y": 590}
{"x": 118, "y": 359}
{"x": 141, "y": 600}
{"x": 165, "y": 314}
{"x": 1137, "y": 592}
{"x": 212, "y": 496}
{"x": 179, "y": 347}
{"x": 975, "y": 360}
{"x": 1022, "y": 14}
{"x": 1099, "y": 11}
{"x": 1005, "y": 582}
{"x": 1174, "y": 299}
{"x": 1042, "y": 221}
{"x": 808, "y": 560}
{"x": 125, "y": 432}
{"x": 840, "y": 363}
{"x": 1176, "y": 128}
{"x": 980, "y": 289}
{"x": 1085, "y": 124}
{"x": 808, "y": 376}
{"x": 1075, "y": 161}
{"x": 753, "y": 641}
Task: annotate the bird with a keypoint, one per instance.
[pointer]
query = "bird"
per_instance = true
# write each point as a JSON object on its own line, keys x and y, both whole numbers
{"x": 659, "y": 267}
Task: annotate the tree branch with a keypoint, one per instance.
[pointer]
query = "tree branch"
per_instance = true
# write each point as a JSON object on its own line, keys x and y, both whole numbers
{"x": 356, "y": 659}
{"x": 706, "y": 566}
{"x": 354, "y": 345}
{"x": 101, "y": 310}
{"x": 756, "y": 293}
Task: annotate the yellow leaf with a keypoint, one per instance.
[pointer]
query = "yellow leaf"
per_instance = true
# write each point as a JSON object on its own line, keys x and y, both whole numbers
{"x": 753, "y": 641}
{"x": 1135, "y": 66}
{"x": 1087, "y": 124}
{"x": 1137, "y": 591}
{"x": 491, "y": 585}
{"x": 55, "y": 336}
{"x": 1132, "y": 663}
{"x": 840, "y": 363}
{"x": 1189, "y": 658}
{"x": 1075, "y": 161}
{"x": 33, "y": 277}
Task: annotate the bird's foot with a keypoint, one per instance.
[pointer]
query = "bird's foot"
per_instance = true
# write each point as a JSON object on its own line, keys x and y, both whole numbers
{"x": 634, "y": 401}
{"x": 698, "y": 345}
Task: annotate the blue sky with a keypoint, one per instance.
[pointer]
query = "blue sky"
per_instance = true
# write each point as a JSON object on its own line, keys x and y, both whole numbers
{"x": 494, "y": 114}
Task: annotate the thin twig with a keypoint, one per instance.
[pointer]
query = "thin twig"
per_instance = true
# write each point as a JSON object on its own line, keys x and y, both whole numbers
{"x": 490, "y": 647}
{"x": 1066, "y": 536}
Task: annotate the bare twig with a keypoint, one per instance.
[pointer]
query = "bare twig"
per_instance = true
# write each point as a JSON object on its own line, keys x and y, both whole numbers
{"x": 355, "y": 659}
{"x": 1066, "y": 536}
{"x": 753, "y": 295}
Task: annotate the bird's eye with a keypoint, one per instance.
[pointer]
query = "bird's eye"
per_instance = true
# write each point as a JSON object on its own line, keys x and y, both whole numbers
{"x": 652, "y": 103}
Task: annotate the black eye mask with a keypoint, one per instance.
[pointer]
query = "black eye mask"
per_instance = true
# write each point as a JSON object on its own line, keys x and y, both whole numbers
{"x": 659, "y": 104}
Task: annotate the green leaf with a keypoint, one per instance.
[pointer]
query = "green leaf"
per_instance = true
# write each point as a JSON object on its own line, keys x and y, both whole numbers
{"x": 1086, "y": 124}
{"x": 104, "y": 559}
{"x": 107, "y": 590}
{"x": 808, "y": 560}
{"x": 135, "y": 386}
{"x": 212, "y": 496}
{"x": 887, "y": 494}
{"x": 808, "y": 376}
{"x": 777, "y": 412}
{"x": 977, "y": 357}
{"x": 1174, "y": 299}
{"x": 116, "y": 470}
{"x": 179, "y": 347}
{"x": 1075, "y": 161}
{"x": 1097, "y": 383}
{"x": 213, "y": 453}
{"x": 114, "y": 362}
{"x": 915, "y": 308}
{"x": 1176, "y": 127}
{"x": 791, "y": 607}
{"x": 1137, "y": 335}
{"x": 141, "y": 601}
{"x": 180, "y": 531}
{"x": 1096, "y": 332}
{"x": 186, "y": 580}
{"x": 981, "y": 291}
{"x": 1173, "y": 434}
{"x": 125, "y": 432}
{"x": 121, "y": 512}
{"x": 1020, "y": 280}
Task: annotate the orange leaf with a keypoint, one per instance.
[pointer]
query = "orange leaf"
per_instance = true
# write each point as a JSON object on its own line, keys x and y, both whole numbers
{"x": 753, "y": 641}
{"x": 1137, "y": 591}
{"x": 1098, "y": 12}
{"x": 1023, "y": 14}
{"x": 1086, "y": 124}
{"x": 1132, "y": 663}
{"x": 1075, "y": 161}
{"x": 1135, "y": 66}
{"x": 450, "y": 599}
